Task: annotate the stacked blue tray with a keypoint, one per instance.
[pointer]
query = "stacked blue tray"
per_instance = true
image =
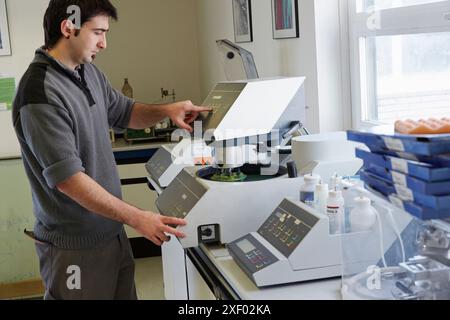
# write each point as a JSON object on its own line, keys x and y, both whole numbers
{"x": 411, "y": 171}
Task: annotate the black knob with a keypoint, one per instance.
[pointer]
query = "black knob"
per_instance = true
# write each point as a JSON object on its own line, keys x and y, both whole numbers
{"x": 292, "y": 169}
{"x": 207, "y": 232}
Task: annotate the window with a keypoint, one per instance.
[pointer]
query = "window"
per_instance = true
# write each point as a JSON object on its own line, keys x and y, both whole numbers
{"x": 400, "y": 60}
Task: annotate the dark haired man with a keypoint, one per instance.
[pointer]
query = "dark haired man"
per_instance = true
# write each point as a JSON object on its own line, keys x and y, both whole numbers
{"x": 62, "y": 114}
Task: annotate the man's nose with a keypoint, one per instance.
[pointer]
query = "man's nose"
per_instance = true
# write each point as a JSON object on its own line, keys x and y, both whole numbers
{"x": 102, "y": 44}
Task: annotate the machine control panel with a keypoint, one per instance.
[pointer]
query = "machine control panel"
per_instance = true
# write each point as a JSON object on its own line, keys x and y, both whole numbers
{"x": 159, "y": 163}
{"x": 287, "y": 226}
{"x": 180, "y": 196}
{"x": 221, "y": 99}
{"x": 251, "y": 255}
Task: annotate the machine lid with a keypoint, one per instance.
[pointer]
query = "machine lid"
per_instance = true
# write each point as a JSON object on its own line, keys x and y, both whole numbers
{"x": 237, "y": 62}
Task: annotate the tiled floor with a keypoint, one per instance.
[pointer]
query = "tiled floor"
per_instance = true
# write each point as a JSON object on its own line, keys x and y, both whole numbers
{"x": 149, "y": 279}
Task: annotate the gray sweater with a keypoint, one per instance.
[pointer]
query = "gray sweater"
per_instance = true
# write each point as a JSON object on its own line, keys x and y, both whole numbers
{"x": 62, "y": 119}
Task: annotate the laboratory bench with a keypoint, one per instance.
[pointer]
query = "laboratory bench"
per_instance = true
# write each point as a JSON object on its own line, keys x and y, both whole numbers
{"x": 221, "y": 278}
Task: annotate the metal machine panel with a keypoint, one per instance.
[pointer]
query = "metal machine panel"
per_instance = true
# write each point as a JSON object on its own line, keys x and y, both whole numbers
{"x": 251, "y": 254}
{"x": 181, "y": 195}
{"x": 298, "y": 240}
{"x": 287, "y": 227}
{"x": 221, "y": 99}
{"x": 159, "y": 163}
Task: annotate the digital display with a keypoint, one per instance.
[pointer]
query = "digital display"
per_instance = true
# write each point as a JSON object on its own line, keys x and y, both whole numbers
{"x": 246, "y": 246}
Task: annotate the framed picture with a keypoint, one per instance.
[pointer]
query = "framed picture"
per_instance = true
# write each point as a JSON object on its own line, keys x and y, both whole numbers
{"x": 5, "y": 46}
{"x": 242, "y": 15}
{"x": 285, "y": 19}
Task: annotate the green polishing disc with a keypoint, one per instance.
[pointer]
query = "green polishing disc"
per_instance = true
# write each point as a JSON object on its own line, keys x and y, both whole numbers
{"x": 234, "y": 177}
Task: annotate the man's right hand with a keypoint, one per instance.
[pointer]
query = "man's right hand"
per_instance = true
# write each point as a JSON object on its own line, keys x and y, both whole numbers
{"x": 155, "y": 226}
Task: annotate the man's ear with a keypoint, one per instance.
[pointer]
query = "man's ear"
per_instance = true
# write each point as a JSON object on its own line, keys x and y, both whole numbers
{"x": 67, "y": 29}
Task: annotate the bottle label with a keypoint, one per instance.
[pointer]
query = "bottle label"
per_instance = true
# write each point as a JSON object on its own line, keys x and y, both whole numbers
{"x": 334, "y": 216}
{"x": 306, "y": 197}
{"x": 333, "y": 211}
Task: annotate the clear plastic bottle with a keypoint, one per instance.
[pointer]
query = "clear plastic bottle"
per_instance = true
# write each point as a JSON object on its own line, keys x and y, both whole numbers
{"x": 308, "y": 188}
{"x": 335, "y": 182}
{"x": 363, "y": 217}
{"x": 321, "y": 197}
{"x": 127, "y": 90}
{"x": 335, "y": 211}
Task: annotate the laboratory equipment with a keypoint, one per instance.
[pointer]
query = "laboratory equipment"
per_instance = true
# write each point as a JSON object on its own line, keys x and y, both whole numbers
{"x": 401, "y": 258}
{"x": 326, "y": 154}
{"x": 294, "y": 244}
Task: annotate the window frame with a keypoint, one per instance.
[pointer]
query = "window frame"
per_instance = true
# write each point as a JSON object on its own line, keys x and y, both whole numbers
{"x": 425, "y": 18}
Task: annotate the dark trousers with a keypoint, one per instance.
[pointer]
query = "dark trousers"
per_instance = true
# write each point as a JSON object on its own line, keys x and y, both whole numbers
{"x": 102, "y": 273}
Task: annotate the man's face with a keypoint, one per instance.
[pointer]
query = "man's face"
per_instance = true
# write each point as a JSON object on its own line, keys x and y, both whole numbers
{"x": 90, "y": 40}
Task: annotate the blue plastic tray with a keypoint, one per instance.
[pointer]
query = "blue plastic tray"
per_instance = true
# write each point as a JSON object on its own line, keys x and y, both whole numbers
{"x": 416, "y": 169}
{"x": 405, "y": 194}
{"x": 385, "y": 138}
{"x": 417, "y": 211}
{"x": 414, "y": 184}
{"x": 441, "y": 160}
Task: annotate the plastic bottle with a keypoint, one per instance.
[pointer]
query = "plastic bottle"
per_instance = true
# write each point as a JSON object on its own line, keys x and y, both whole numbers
{"x": 335, "y": 182}
{"x": 127, "y": 90}
{"x": 335, "y": 211}
{"x": 321, "y": 197}
{"x": 308, "y": 188}
{"x": 363, "y": 217}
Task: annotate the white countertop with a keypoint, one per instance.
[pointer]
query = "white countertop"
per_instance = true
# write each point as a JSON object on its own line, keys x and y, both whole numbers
{"x": 329, "y": 289}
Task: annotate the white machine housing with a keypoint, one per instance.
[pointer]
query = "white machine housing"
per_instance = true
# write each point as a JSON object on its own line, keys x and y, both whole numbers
{"x": 170, "y": 159}
{"x": 242, "y": 112}
{"x": 219, "y": 211}
{"x": 317, "y": 255}
{"x": 326, "y": 154}
{"x": 254, "y": 107}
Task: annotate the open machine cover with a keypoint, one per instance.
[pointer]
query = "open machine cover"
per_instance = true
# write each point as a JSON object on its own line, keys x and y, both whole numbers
{"x": 238, "y": 63}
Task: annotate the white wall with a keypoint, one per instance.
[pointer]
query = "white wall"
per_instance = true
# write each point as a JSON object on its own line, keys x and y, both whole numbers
{"x": 18, "y": 259}
{"x": 25, "y": 19}
{"x": 328, "y": 53}
{"x": 26, "y": 34}
{"x": 314, "y": 55}
{"x": 155, "y": 45}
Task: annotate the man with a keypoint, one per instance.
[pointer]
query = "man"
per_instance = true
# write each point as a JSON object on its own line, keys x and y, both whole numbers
{"x": 62, "y": 114}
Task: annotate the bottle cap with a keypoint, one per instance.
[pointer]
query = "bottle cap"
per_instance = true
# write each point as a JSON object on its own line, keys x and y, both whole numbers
{"x": 335, "y": 194}
{"x": 310, "y": 178}
{"x": 362, "y": 201}
{"x": 322, "y": 187}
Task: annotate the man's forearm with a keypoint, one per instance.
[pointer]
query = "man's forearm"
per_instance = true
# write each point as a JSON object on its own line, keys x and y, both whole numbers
{"x": 90, "y": 195}
{"x": 146, "y": 115}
